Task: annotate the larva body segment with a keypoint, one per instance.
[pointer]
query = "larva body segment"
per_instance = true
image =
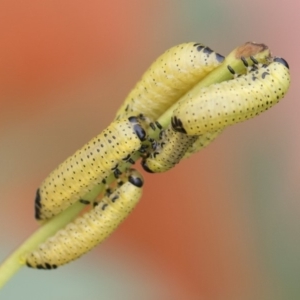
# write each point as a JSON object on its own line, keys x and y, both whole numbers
{"x": 201, "y": 142}
{"x": 168, "y": 78}
{"x": 90, "y": 229}
{"x": 95, "y": 161}
{"x": 170, "y": 149}
{"x": 233, "y": 101}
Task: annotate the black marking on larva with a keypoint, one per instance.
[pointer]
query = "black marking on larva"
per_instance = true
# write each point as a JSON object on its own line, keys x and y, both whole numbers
{"x": 120, "y": 182}
{"x": 158, "y": 125}
{"x": 116, "y": 171}
{"x": 197, "y": 44}
{"x": 37, "y": 205}
{"x": 231, "y": 70}
{"x": 40, "y": 267}
{"x": 28, "y": 264}
{"x": 48, "y": 266}
{"x": 200, "y": 47}
{"x": 177, "y": 124}
{"x": 108, "y": 191}
{"x": 282, "y": 61}
{"x": 145, "y": 166}
{"x": 126, "y": 157}
{"x": 104, "y": 181}
{"x": 136, "y": 181}
{"x": 220, "y": 58}
{"x": 86, "y": 202}
{"x": 254, "y": 60}
{"x": 140, "y": 132}
{"x": 126, "y": 108}
{"x": 152, "y": 125}
{"x": 207, "y": 50}
{"x": 143, "y": 148}
{"x": 115, "y": 198}
{"x": 244, "y": 60}
{"x": 103, "y": 206}
{"x": 264, "y": 74}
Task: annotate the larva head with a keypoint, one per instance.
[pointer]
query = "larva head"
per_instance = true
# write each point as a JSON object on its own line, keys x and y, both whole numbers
{"x": 138, "y": 128}
{"x": 282, "y": 61}
{"x": 237, "y": 100}
{"x": 135, "y": 178}
{"x": 279, "y": 69}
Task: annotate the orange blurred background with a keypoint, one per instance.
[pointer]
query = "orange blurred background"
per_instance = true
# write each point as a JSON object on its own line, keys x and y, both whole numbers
{"x": 223, "y": 224}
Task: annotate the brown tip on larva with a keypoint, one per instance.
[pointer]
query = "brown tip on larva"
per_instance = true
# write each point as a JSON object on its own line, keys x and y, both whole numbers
{"x": 250, "y": 49}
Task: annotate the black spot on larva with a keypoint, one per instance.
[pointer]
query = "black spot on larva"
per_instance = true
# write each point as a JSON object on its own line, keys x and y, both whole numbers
{"x": 197, "y": 44}
{"x": 244, "y": 60}
{"x": 117, "y": 173}
{"x": 145, "y": 166}
{"x": 136, "y": 181}
{"x": 231, "y": 70}
{"x": 115, "y": 198}
{"x": 86, "y": 202}
{"x": 48, "y": 266}
{"x": 177, "y": 124}
{"x": 140, "y": 132}
{"x": 104, "y": 206}
{"x": 282, "y": 61}
{"x": 40, "y": 267}
{"x": 264, "y": 74}
{"x": 254, "y": 60}
{"x": 37, "y": 204}
{"x": 219, "y": 57}
{"x": 28, "y": 264}
{"x": 199, "y": 48}
{"x": 208, "y": 50}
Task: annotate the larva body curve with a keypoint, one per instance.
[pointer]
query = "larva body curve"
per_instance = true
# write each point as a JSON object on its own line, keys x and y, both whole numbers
{"x": 90, "y": 229}
{"x": 168, "y": 78}
{"x": 233, "y": 101}
{"x": 95, "y": 161}
{"x": 170, "y": 149}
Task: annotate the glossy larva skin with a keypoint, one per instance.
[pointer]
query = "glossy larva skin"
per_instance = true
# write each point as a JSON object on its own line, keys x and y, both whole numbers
{"x": 77, "y": 176}
{"x": 170, "y": 149}
{"x": 90, "y": 229}
{"x": 233, "y": 101}
{"x": 168, "y": 78}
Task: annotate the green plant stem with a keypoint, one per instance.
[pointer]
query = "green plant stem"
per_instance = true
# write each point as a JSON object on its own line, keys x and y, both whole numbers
{"x": 17, "y": 259}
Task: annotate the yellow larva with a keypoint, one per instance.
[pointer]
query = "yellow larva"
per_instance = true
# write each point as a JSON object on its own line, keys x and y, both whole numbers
{"x": 168, "y": 152}
{"x": 202, "y": 141}
{"x": 233, "y": 101}
{"x": 81, "y": 172}
{"x": 89, "y": 230}
{"x": 168, "y": 78}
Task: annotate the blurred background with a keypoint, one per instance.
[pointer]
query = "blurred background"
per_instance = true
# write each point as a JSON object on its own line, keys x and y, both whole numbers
{"x": 223, "y": 224}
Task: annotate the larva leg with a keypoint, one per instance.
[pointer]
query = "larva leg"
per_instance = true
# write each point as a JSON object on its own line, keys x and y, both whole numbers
{"x": 169, "y": 150}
